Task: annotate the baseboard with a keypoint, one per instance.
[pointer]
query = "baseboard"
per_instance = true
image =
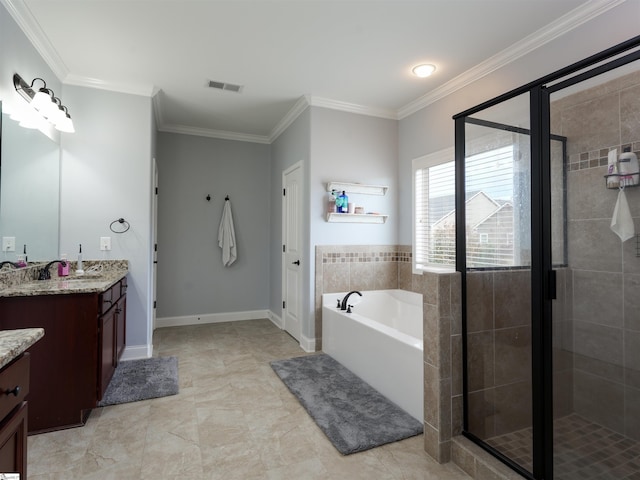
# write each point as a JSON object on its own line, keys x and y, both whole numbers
{"x": 136, "y": 352}
{"x": 307, "y": 344}
{"x": 276, "y": 320}
{"x": 211, "y": 318}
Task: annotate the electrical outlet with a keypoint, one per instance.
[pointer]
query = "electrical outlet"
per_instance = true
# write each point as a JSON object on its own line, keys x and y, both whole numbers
{"x": 8, "y": 244}
{"x": 105, "y": 243}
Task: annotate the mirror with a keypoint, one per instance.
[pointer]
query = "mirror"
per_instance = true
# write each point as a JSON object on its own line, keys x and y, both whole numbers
{"x": 29, "y": 191}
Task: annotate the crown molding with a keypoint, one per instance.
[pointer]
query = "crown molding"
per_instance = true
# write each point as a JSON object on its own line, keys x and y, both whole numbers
{"x": 300, "y": 106}
{"x": 555, "y": 29}
{"x": 352, "y": 107}
{"x": 145, "y": 90}
{"x": 221, "y": 134}
{"x": 30, "y": 27}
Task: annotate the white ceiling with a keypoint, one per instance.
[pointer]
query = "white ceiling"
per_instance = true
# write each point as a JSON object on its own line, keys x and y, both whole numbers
{"x": 351, "y": 55}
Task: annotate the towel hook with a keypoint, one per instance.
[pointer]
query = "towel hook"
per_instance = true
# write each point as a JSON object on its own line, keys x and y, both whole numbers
{"x": 226, "y": 199}
{"x": 208, "y": 197}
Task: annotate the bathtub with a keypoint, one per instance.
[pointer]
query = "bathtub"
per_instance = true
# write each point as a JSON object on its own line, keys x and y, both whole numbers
{"x": 380, "y": 341}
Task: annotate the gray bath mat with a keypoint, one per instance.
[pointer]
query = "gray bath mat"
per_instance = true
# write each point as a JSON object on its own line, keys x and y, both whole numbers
{"x": 136, "y": 380}
{"x": 352, "y": 414}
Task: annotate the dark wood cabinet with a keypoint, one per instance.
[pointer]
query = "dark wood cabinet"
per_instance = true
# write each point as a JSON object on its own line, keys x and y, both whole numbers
{"x": 14, "y": 387}
{"x": 72, "y": 364}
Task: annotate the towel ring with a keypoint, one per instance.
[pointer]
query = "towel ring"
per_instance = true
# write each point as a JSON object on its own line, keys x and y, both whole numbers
{"x": 121, "y": 221}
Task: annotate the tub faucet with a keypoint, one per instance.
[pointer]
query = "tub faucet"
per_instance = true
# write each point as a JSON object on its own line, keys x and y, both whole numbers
{"x": 45, "y": 274}
{"x": 7, "y": 262}
{"x": 343, "y": 306}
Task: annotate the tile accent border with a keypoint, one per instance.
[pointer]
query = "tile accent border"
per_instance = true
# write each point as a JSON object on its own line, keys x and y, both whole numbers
{"x": 598, "y": 158}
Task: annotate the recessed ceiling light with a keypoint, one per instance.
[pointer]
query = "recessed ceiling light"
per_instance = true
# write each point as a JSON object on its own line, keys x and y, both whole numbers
{"x": 423, "y": 70}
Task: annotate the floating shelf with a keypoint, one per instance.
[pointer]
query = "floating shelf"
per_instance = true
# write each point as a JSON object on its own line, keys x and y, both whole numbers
{"x": 357, "y": 188}
{"x": 356, "y": 218}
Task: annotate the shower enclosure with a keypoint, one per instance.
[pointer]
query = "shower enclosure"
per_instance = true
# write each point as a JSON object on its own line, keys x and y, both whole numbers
{"x": 551, "y": 296}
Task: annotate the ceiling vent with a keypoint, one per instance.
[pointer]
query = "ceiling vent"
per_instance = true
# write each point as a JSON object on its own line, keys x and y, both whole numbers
{"x": 229, "y": 87}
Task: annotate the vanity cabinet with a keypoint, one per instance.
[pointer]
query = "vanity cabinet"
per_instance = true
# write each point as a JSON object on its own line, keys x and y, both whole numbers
{"x": 72, "y": 364}
{"x": 112, "y": 327}
{"x": 14, "y": 387}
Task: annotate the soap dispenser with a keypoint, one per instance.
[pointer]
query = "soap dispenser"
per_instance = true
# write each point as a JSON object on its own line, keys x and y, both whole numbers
{"x": 63, "y": 266}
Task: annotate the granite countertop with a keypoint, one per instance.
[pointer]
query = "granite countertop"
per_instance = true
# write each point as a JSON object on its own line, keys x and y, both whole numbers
{"x": 94, "y": 280}
{"x": 14, "y": 342}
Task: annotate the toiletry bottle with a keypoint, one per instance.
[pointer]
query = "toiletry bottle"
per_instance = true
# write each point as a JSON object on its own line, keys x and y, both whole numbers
{"x": 63, "y": 270}
{"x": 628, "y": 165}
{"x": 24, "y": 251}
{"x": 332, "y": 202}
{"x": 20, "y": 262}
{"x": 79, "y": 270}
{"x": 344, "y": 203}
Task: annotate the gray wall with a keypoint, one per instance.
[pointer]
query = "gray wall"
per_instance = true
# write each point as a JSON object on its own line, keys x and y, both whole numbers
{"x": 191, "y": 277}
{"x": 105, "y": 175}
{"x": 292, "y": 146}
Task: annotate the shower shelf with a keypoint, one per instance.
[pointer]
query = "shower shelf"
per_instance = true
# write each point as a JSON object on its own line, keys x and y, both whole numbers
{"x": 621, "y": 176}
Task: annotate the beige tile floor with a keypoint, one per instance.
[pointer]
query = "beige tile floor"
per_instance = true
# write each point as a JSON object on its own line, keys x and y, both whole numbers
{"x": 233, "y": 419}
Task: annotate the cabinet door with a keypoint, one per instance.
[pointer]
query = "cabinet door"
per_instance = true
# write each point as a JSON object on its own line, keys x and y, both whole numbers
{"x": 121, "y": 328}
{"x": 107, "y": 350}
{"x": 13, "y": 442}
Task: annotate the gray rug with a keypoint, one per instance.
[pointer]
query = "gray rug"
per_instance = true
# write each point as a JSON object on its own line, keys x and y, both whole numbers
{"x": 136, "y": 380}
{"x": 352, "y": 414}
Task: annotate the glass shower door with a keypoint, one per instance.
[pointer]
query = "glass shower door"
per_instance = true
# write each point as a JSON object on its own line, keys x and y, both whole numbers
{"x": 497, "y": 213}
{"x": 596, "y": 319}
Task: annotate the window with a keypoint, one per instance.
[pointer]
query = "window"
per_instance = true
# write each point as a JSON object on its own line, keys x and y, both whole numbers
{"x": 489, "y": 205}
{"x": 434, "y": 239}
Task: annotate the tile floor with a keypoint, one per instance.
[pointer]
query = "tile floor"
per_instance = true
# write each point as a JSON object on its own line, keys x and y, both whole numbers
{"x": 583, "y": 450}
{"x": 233, "y": 419}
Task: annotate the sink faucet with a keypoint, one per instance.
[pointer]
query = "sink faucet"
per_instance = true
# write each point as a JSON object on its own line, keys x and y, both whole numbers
{"x": 45, "y": 274}
{"x": 7, "y": 262}
{"x": 343, "y": 306}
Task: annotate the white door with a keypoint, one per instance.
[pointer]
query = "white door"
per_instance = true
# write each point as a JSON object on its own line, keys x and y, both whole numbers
{"x": 292, "y": 261}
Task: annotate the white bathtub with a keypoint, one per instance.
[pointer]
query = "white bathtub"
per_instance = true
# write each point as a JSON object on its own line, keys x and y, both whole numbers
{"x": 380, "y": 341}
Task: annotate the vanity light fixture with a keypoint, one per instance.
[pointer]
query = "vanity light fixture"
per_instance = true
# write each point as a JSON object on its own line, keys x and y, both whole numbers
{"x": 423, "y": 70}
{"x": 45, "y": 103}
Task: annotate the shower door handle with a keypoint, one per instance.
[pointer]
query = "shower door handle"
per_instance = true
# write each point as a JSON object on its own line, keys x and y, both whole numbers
{"x": 553, "y": 294}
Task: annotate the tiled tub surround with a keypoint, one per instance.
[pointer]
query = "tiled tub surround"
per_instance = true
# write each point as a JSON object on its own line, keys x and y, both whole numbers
{"x": 356, "y": 267}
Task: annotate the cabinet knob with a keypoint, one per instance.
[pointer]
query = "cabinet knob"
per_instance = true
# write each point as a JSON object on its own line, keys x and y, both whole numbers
{"x": 15, "y": 391}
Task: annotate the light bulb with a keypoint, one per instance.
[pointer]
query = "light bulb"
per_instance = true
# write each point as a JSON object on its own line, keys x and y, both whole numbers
{"x": 423, "y": 70}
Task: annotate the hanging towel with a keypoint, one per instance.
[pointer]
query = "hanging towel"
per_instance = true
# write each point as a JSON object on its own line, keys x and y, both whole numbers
{"x": 622, "y": 223}
{"x": 227, "y": 236}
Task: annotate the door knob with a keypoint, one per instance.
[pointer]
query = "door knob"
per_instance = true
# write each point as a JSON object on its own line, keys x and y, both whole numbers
{"x": 297, "y": 262}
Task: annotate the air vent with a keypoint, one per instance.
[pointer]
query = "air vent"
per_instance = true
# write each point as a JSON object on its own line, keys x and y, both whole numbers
{"x": 229, "y": 87}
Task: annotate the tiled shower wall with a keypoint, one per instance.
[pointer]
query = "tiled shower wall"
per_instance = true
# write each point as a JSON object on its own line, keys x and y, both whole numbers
{"x": 499, "y": 351}
{"x": 603, "y": 280}
{"x": 357, "y": 267}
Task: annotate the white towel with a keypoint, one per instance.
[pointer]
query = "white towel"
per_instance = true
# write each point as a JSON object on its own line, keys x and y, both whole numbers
{"x": 622, "y": 222}
{"x": 227, "y": 236}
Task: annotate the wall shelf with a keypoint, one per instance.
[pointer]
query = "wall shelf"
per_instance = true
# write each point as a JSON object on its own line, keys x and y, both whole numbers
{"x": 357, "y": 188}
{"x": 356, "y": 218}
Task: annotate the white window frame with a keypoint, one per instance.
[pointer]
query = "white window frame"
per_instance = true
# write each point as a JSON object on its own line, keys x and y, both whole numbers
{"x": 426, "y": 161}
